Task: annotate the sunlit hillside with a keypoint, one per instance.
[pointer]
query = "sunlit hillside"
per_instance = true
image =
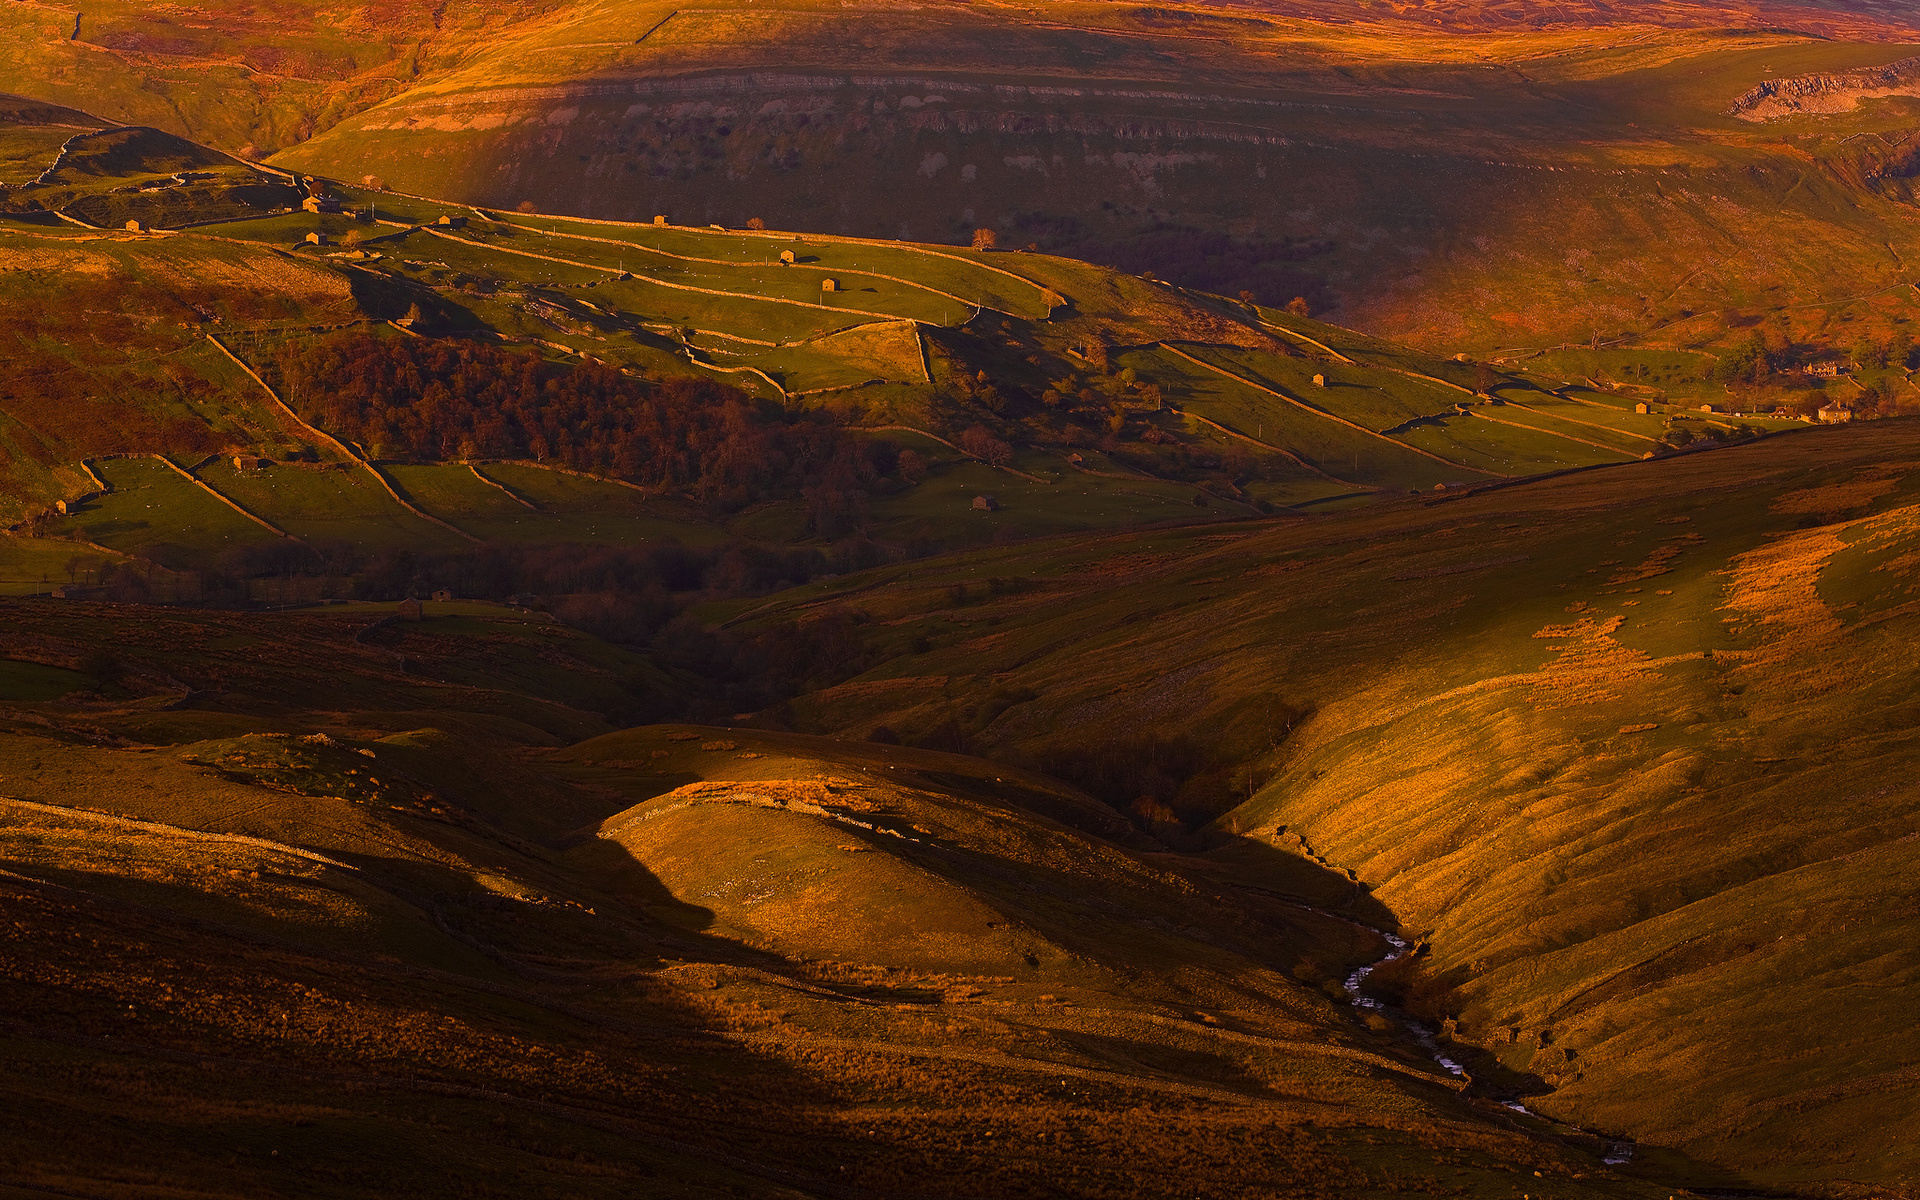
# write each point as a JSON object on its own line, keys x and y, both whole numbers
{"x": 294, "y": 910}
{"x": 1489, "y": 177}
{"x": 162, "y": 319}
{"x": 1624, "y": 751}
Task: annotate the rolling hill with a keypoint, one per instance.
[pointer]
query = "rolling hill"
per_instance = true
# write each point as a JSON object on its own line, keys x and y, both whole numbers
{"x": 1076, "y": 396}
{"x": 1480, "y": 177}
{"x": 294, "y": 910}
{"x": 1646, "y": 816}
{"x": 937, "y": 715}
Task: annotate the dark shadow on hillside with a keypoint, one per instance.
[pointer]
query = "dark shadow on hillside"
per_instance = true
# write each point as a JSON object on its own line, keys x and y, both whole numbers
{"x": 1255, "y": 863}
{"x": 425, "y": 1040}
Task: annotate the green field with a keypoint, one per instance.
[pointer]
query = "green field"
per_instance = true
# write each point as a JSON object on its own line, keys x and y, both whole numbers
{"x": 919, "y": 336}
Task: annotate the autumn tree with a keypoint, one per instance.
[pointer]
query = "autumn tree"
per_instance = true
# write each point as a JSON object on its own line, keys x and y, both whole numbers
{"x": 1298, "y": 307}
{"x": 985, "y": 239}
{"x": 981, "y": 444}
{"x": 756, "y": 223}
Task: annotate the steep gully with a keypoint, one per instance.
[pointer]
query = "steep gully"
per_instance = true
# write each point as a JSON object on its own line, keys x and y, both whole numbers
{"x": 1619, "y": 1150}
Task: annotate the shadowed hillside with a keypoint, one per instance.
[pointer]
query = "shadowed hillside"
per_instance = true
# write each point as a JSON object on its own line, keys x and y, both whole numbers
{"x": 326, "y": 914}
{"x": 1623, "y": 749}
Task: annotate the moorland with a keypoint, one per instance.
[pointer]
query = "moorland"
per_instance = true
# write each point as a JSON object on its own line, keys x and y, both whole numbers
{"x": 599, "y": 599}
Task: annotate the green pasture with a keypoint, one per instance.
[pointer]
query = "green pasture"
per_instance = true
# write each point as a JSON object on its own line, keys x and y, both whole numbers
{"x": 1341, "y": 451}
{"x": 1566, "y": 422}
{"x": 33, "y": 681}
{"x": 942, "y": 505}
{"x": 34, "y": 565}
{"x": 577, "y": 508}
{"x": 1675, "y": 372}
{"x": 1595, "y": 408}
{"x": 1378, "y": 400}
{"x": 749, "y": 284}
{"x": 27, "y": 150}
{"x": 887, "y": 351}
{"x": 292, "y": 228}
{"x": 326, "y": 503}
{"x": 150, "y": 503}
{"x": 946, "y": 268}
{"x": 1365, "y": 349}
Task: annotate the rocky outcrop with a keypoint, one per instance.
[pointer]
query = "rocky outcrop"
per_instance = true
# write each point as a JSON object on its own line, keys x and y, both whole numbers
{"x": 1835, "y": 93}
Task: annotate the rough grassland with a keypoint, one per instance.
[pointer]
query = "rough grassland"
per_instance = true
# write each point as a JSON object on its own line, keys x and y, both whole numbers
{"x": 348, "y": 893}
{"x": 1624, "y": 748}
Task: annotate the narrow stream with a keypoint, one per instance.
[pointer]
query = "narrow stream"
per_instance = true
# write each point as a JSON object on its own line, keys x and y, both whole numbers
{"x": 1618, "y": 1150}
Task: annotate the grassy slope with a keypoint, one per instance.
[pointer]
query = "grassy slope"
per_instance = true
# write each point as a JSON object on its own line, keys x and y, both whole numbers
{"x": 117, "y": 321}
{"x": 688, "y": 961}
{"x": 1625, "y": 748}
{"x": 1525, "y": 188}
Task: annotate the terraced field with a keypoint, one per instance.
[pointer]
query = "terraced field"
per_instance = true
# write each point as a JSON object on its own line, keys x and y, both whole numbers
{"x": 1196, "y": 406}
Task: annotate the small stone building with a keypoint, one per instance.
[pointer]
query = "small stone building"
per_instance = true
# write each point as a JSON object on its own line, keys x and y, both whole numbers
{"x": 986, "y": 504}
{"x": 409, "y": 609}
{"x": 443, "y": 595}
{"x": 786, "y": 256}
{"x": 659, "y": 220}
{"x": 450, "y": 221}
{"x": 1706, "y": 408}
{"x": 134, "y": 227}
{"x": 829, "y": 285}
{"x": 1834, "y": 415}
{"x": 316, "y": 239}
{"x": 1643, "y": 408}
{"x": 320, "y": 204}
{"x": 251, "y": 462}
{"x": 1319, "y": 381}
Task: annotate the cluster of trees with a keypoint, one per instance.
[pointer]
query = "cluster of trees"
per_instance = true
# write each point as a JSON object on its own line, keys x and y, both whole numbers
{"x": 1756, "y": 357}
{"x": 1112, "y": 394}
{"x": 439, "y": 399}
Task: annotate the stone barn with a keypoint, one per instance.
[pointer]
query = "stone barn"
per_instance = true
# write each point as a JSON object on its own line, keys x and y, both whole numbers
{"x": 829, "y": 285}
{"x": 986, "y": 504}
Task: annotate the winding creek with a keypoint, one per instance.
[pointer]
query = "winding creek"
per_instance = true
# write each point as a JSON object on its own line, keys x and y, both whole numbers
{"x": 1618, "y": 1151}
